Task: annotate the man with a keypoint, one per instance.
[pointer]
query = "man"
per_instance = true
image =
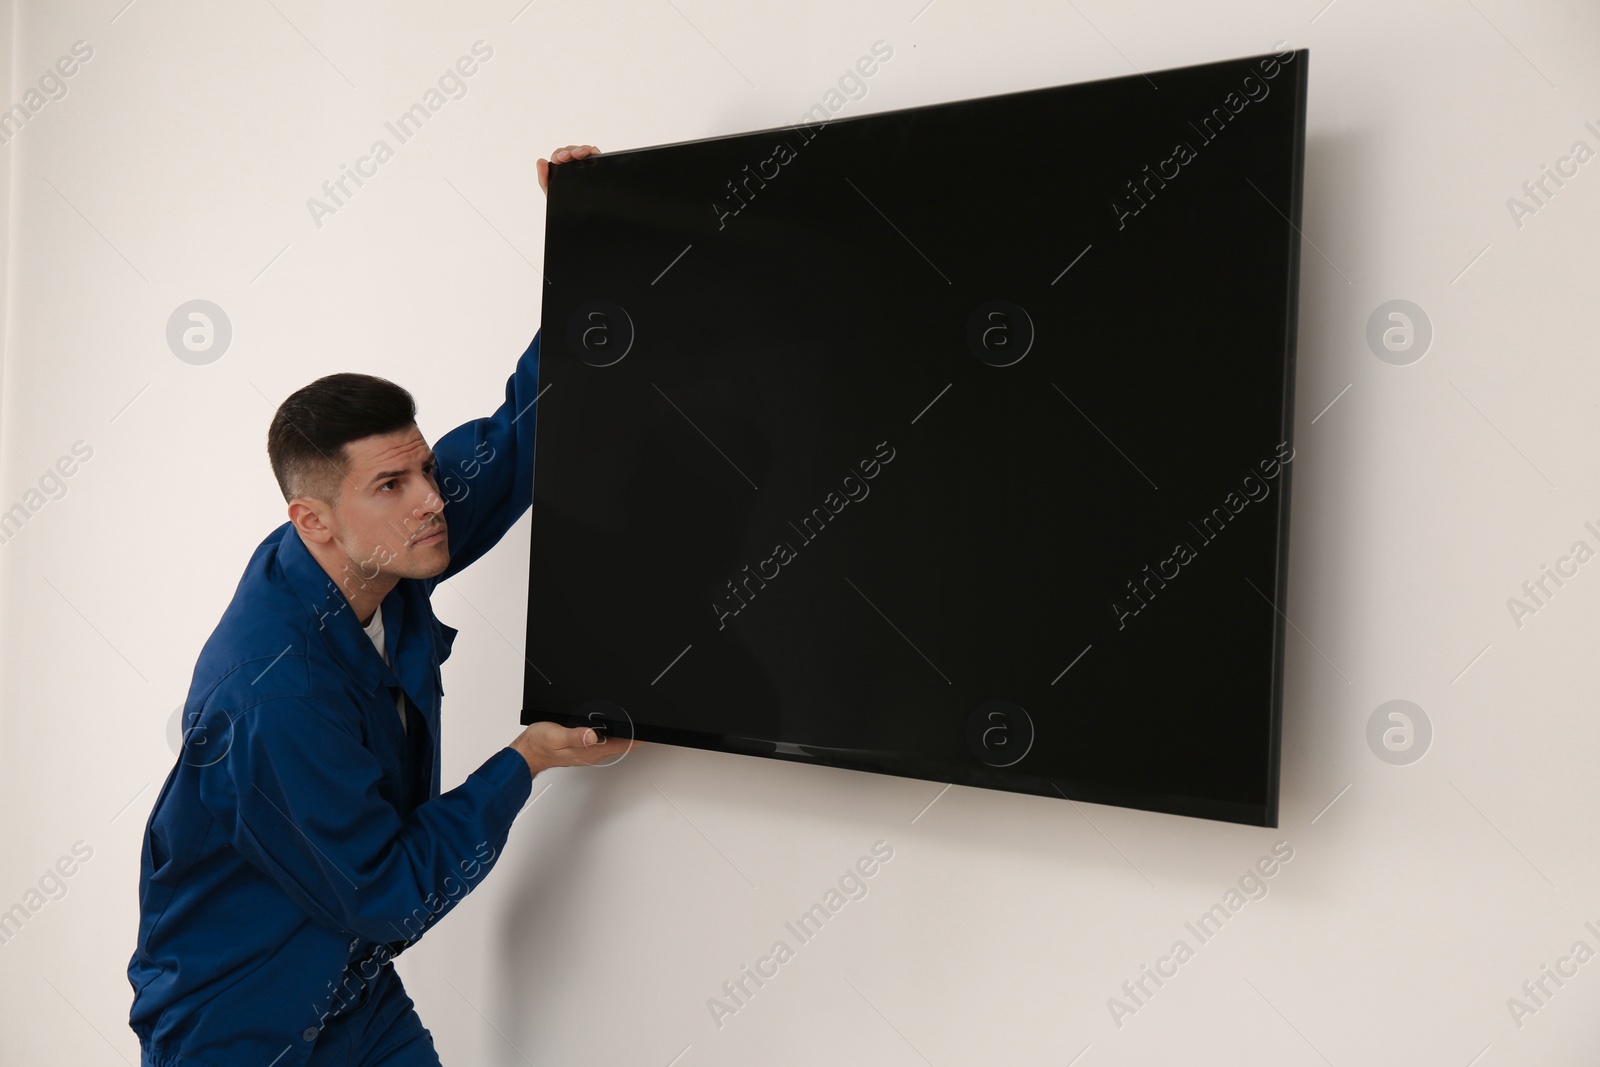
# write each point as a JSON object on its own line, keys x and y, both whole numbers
{"x": 301, "y": 839}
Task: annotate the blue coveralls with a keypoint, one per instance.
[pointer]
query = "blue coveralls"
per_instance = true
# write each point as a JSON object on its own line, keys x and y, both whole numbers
{"x": 301, "y": 839}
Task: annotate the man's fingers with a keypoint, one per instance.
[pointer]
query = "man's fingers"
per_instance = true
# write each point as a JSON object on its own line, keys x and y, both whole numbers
{"x": 599, "y": 745}
{"x": 562, "y": 155}
{"x": 574, "y": 151}
{"x": 587, "y": 737}
{"x": 582, "y": 738}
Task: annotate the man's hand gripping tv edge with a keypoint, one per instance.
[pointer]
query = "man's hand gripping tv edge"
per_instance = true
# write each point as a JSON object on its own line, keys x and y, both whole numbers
{"x": 548, "y": 744}
{"x": 560, "y": 156}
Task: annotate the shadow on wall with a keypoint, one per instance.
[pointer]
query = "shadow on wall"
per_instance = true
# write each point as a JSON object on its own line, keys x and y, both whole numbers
{"x": 1326, "y": 495}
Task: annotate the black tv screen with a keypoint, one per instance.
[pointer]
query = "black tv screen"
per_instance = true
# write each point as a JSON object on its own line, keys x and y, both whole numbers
{"x": 951, "y": 442}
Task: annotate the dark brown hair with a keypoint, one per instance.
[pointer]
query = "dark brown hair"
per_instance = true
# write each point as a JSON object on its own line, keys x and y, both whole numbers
{"x": 307, "y": 438}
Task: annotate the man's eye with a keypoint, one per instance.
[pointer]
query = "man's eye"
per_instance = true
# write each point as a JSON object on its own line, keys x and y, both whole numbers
{"x": 430, "y": 469}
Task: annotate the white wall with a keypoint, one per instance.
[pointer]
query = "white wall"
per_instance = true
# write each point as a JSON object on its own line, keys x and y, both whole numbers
{"x": 178, "y": 167}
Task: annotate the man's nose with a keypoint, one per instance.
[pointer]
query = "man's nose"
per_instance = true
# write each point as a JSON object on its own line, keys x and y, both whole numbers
{"x": 432, "y": 503}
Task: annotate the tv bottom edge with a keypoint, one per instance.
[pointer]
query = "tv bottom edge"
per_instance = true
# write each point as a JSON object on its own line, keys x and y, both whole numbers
{"x": 980, "y": 777}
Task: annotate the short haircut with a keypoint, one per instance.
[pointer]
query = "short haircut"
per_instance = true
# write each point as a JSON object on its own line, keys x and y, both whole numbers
{"x": 307, "y": 438}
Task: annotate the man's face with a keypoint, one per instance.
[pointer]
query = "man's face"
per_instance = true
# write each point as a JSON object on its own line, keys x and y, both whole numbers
{"x": 390, "y": 522}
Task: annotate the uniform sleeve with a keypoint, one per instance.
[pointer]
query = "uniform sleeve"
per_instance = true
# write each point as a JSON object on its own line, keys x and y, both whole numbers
{"x": 486, "y": 469}
{"x": 297, "y": 795}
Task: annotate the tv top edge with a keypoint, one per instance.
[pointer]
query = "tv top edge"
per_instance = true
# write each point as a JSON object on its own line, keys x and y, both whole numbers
{"x": 1297, "y": 57}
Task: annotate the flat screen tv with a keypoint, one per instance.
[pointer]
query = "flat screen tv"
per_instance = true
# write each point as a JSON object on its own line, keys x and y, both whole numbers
{"x": 951, "y": 442}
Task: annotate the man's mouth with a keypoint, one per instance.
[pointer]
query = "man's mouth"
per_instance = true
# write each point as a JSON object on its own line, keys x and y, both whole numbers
{"x": 430, "y": 539}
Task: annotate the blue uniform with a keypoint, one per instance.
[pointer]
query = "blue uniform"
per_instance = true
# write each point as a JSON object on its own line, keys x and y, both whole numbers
{"x": 301, "y": 840}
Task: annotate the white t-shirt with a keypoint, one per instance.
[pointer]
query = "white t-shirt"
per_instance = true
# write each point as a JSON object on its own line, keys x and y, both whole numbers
{"x": 374, "y": 630}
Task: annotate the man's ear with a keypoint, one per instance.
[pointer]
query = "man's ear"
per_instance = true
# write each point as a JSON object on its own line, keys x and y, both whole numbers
{"x": 313, "y": 518}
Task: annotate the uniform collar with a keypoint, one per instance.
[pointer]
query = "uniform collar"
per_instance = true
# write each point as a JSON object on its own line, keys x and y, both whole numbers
{"x": 335, "y": 618}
